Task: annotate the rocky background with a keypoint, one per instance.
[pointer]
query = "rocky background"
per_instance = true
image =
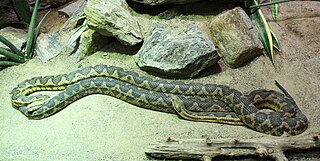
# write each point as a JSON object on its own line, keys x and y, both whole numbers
{"x": 208, "y": 41}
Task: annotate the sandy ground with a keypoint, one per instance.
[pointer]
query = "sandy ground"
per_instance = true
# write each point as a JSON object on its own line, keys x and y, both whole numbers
{"x": 100, "y": 127}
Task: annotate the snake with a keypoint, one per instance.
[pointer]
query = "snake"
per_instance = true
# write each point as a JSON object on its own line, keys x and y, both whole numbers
{"x": 265, "y": 111}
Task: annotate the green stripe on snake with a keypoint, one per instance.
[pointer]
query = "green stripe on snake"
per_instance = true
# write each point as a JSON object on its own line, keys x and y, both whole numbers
{"x": 192, "y": 101}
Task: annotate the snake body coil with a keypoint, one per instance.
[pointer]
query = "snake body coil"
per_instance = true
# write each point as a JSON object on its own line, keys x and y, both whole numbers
{"x": 196, "y": 102}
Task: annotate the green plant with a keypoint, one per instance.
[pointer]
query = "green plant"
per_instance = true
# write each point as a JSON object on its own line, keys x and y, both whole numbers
{"x": 267, "y": 37}
{"x": 22, "y": 9}
{"x": 80, "y": 29}
{"x": 15, "y": 55}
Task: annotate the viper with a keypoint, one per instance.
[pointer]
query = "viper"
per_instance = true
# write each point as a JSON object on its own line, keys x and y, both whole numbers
{"x": 191, "y": 101}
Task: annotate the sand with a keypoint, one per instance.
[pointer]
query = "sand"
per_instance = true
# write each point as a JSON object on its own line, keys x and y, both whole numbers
{"x": 100, "y": 127}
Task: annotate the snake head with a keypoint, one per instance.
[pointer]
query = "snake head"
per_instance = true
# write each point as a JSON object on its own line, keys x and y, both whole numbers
{"x": 29, "y": 109}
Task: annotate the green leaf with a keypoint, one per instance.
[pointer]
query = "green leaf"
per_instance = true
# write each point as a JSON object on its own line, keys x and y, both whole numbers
{"x": 36, "y": 33}
{"x": 40, "y": 24}
{"x": 10, "y": 45}
{"x": 22, "y": 9}
{"x": 275, "y": 10}
{"x": 31, "y": 31}
{"x": 264, "y": 32}
{"x": 12, "y": 56}
{"x": 78, "y": 33}
{"x": 81, "y": 16}
{"x": 8, "y": 63}
{"x": 275, "y": 41}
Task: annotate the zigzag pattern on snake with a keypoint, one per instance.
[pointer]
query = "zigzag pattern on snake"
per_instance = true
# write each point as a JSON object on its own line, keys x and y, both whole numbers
{"x": 196, "y": 102}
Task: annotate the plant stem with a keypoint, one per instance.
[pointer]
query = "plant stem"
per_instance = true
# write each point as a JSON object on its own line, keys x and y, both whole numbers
{"x": 10, "y": 45}
{"x": 31, "y": 35}
{"x": 12, "y": 56}
{"x": 8, "y": 63}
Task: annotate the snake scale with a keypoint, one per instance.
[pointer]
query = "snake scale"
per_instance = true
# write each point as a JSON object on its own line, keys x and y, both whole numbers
{"x": 192, "y": 101}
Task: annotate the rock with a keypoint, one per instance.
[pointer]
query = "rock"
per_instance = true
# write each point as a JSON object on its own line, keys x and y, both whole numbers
{"x": 236, "y": 37}
{"x": 73, "y": 21}
{"x": 179, "y": 52}
{"x": 90, "y": 42}
{"x": 54, "y": 43}
{"x": 112, "y": 18}
{"x": 159, "y": 2}
{"x": 16, "y": 36}
{"x": 71, "y": 8}
{"x": 48, "y": 46}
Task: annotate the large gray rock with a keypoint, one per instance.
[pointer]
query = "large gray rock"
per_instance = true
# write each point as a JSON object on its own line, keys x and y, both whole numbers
{"x": 179, "y": 52}
{"x": 236, "y": 37}
{"x": 112, "y": 18}
{"x": 48, "y": 46}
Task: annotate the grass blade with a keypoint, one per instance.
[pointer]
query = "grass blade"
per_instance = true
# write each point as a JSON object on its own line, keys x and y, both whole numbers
{"x": 264, "y": 32}
{"x": 275, "y": 10}
{"x": 40, "y": 23}
{"x": 275, "y": 41}
{"x": 78, "y": 33}
{"x": 8, "y": 63}
{"x": 10, "y": 45}
{"x": 31, "y": 31}
{"x": 12, "y": 55}
{"x": 36, "y": 33}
